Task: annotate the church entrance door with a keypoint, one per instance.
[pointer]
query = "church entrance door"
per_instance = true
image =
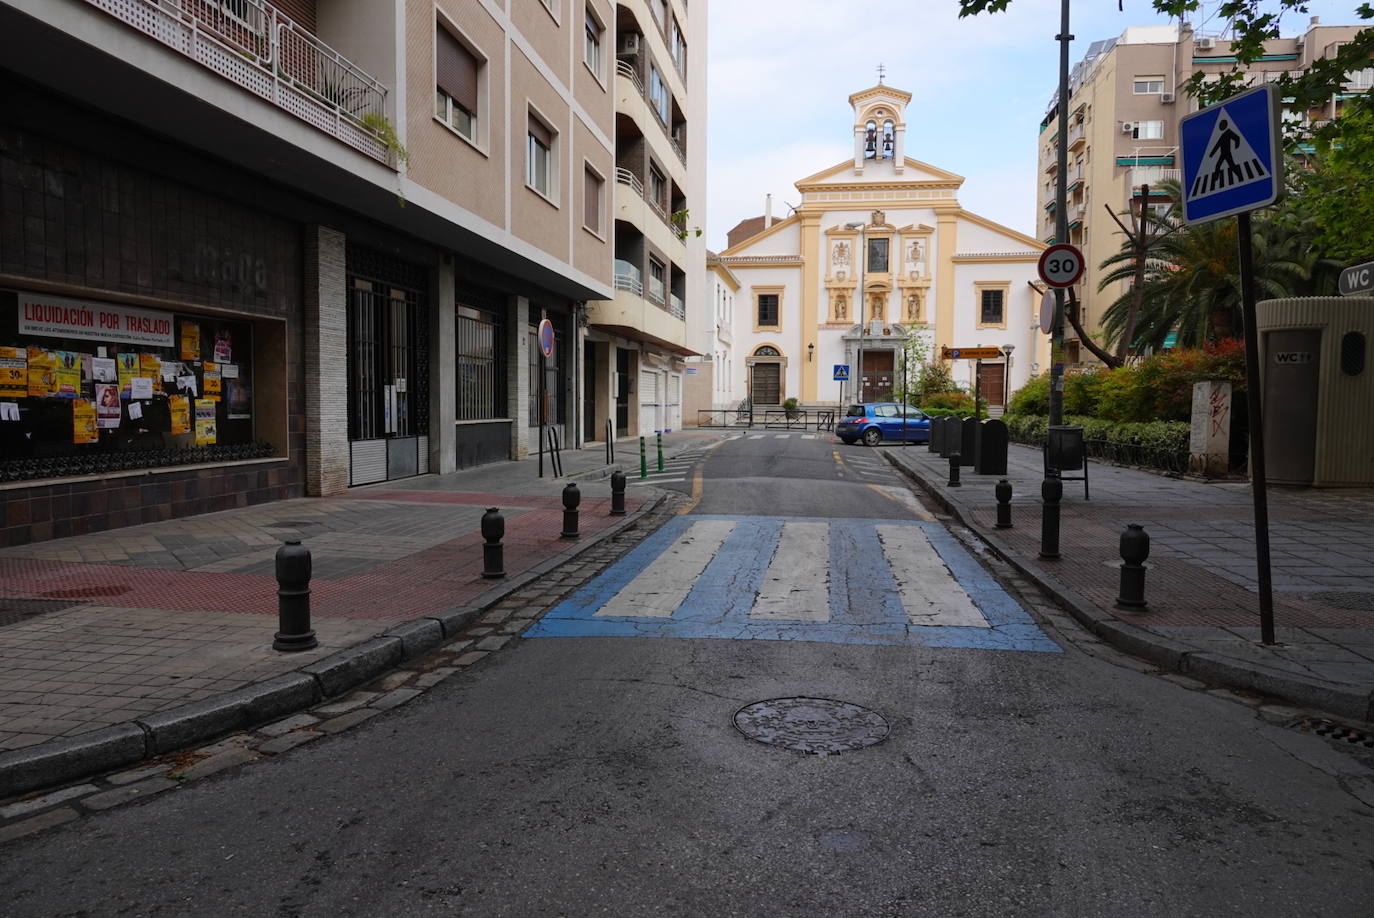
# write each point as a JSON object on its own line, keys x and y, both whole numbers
{"x": 992, "y": 383}
{"x": 877, "y": 376}
{"x": 767, "y": 388}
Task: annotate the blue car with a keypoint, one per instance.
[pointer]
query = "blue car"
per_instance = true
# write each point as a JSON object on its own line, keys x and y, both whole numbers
{"x": 878, "y": 421}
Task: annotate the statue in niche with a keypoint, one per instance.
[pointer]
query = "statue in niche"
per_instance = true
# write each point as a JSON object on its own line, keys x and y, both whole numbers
{"x": 913, "y": 307}
{"x": 841, "y": 308}
{"x": 877, "y": 307}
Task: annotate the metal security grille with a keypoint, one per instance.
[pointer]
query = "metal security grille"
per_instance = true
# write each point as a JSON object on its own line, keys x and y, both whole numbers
{"x": 481, "y": 364}
{"x": 388, "y": 347}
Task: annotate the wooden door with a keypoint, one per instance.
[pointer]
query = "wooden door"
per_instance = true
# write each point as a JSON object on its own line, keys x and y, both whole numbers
{"x": 877, "y": 376}
{"x": 767, "y": 389}
{"x": 992, "y": 383}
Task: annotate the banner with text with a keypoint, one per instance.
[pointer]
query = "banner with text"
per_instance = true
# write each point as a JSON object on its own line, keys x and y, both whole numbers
{"x": 60, "y": 317}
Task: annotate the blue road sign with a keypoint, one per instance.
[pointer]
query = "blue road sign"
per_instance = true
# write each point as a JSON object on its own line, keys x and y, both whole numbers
{"x": 1232, "y": 156}
{"x": 841, "y": 371}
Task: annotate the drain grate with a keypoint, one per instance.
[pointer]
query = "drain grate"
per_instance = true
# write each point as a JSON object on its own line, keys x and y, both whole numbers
{"x": 1343, "y": 599}
{"x": 1333, "y": 731}
{"x": 87, "y": 592}
{"x": 819, "y": 726}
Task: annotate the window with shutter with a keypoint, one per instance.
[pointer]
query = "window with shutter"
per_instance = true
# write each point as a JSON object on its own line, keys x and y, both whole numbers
{"x": 456, "y": 72}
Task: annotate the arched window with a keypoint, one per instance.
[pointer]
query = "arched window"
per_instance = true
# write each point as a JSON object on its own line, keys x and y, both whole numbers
{"x": 766, "y": 351}
{"x": 889, "y": 139}
{"x": 870, "y": 140}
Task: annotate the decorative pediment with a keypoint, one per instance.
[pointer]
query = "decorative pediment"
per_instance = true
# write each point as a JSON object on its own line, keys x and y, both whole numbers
{"x": 916, "y": 175}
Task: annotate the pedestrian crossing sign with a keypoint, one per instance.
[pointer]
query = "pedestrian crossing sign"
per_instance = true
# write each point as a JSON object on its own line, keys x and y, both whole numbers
{"x": 1232, "y": 156}
{"x": 841, "y": 371}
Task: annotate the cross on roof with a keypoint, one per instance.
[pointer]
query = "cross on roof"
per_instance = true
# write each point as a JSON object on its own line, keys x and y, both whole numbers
{"x": 882, "y": 71}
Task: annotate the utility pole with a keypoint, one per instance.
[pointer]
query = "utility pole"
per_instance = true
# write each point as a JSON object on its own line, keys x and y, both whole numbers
{"x": 1061, "y": 219}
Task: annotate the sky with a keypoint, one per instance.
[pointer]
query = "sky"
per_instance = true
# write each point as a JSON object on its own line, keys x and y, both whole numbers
{"x": 780, "y": 73}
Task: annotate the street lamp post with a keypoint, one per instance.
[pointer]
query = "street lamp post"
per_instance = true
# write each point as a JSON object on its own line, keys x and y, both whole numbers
{"x": 1006, "y": 379}
{"x": 863, "y": 295}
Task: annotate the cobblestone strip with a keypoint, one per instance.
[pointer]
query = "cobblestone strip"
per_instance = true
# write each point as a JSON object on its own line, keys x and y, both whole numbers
{"x": 495, "y": 630}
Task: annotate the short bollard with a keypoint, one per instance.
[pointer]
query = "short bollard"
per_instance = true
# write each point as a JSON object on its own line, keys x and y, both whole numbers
{"x": 493, "y": 553}
{"x": 1051, "y": 491}
{"x": 571, "y": 498}
{"x": 1003, "y": 492}
{"x": 293, "y": 598}
{"x": 953, "y": 470}
{"x": 660, "y": 450}
{"x": 1135, "y": 548}
{"x": 643, "y": 460}
{"x": 617, "y": 493}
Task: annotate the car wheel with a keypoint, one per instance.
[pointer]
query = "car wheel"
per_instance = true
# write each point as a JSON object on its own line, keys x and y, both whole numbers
{"x": 848, "y": 441}
{"x": 872, "y": 436}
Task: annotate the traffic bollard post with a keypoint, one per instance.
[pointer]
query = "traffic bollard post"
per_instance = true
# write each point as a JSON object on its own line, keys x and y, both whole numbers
{"x": 1051, "y": 491}
{"x": 1135, "y": 548}
{"x": 1003, "y": 492}
{"x": 293, "y": 599}
{"x": 953, "y": 470}
{"x": 493, "y": 554}
{"x": 617, "y": 493}
{"x": 571, "y": 498}
{"x": 660, "y": 450}
{"x": 643, "y": 459}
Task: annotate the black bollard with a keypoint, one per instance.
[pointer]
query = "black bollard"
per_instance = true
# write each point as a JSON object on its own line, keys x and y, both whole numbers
{"x": 1051, "y": 491}
{"x": 1135, "y": 548}
{"x": 617, "y": 493}
{"x": 293, "y": 599}
{"x": 493, "y": 553}
{"x": 571, "y": 498}
{"x": 1003, "y": 492}
{"x": 953, "y": 470}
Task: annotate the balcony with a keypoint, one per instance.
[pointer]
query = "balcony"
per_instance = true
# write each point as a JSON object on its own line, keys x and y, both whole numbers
{"x": 632, "y": 99}
{"x": 253, "y": 45}
{"x": 676, "y": 306}
{"x": 628, "y": 277}
{"x": 1077, "y": 135}
{"x": 1152, "y": 175}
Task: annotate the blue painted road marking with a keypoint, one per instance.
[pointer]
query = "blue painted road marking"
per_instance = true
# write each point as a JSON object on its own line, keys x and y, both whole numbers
{"x": 864, "y": 601}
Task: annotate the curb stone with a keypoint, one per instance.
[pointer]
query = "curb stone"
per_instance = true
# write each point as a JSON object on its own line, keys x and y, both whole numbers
{"x": 1167, "y": 653}
{"x": 67, "y": 759}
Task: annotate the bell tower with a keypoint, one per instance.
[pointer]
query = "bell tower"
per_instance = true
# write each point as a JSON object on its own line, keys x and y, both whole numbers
{"x": 880, "y": 129}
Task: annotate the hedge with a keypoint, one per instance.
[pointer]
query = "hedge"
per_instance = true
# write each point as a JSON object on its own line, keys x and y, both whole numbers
{"x": 1148, "y": 444}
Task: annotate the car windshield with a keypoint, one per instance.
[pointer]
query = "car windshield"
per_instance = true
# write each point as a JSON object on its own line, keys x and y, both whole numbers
{"x": 855, "y": 411}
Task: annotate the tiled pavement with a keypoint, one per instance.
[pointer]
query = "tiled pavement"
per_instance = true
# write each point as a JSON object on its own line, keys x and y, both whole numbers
{"x": 101, "y": 628}
{"x": 1201, "y": 583}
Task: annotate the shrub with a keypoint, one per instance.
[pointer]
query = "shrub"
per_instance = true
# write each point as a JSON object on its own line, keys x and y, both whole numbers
{"x": 1080, "y": 392}
{"x": 934, "y": 378}
{"x": 1032, "y": 398}
{"x": 1117, "y": 394}
{"x": 958, "y": 402}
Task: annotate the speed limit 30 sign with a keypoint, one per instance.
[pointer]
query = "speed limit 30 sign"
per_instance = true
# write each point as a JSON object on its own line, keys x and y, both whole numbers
{"x": 1061, "y": 265}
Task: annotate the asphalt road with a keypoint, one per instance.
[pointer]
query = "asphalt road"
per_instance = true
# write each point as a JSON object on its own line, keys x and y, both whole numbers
{"x": 605, "y": 776}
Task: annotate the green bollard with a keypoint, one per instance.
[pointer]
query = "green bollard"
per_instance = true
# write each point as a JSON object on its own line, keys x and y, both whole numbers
{"x": 660, "y": 451}
{"x": 643, "y": 460}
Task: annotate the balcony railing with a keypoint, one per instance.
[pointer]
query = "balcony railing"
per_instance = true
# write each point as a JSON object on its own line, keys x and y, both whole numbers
{"x": 676, "y": 306}
{"x": 625, "y": 70}
{"x": 626, "y": 177}
{"x": 1152, "y": 175}
{"x": 254, "y": 45}
{"x": 628, "y": 277}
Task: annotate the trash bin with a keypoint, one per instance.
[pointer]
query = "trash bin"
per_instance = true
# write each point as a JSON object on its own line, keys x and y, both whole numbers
{"x": 992, "y": 448}
{"x": 1064, "y": 450}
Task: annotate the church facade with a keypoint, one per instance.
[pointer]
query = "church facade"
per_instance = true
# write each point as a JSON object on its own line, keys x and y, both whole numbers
{"x": 878, "y": 252}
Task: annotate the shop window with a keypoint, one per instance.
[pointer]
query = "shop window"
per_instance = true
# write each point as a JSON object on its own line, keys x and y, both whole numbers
{"x": 481, "y": 352}
{"x": 88, "y": 387}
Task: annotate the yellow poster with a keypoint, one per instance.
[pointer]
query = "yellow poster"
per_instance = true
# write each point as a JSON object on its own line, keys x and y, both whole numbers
{"x": 14, "y": 372}
{"x": 83, "y": 421}
{"x": 212, "y": 383}
{"x": 68, "y": 374}
{"x": 205, "y": 422}
{"x": 42, "y": 372}
{"x": 190, "y": 340}
{"x": 127, "y": 365}
{"x": 181, "y": 413}
{"x": 150, "y": 366}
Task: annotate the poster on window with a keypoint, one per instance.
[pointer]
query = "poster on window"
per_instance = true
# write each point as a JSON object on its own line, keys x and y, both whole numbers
{"x": 240, "y": 400}
{"x": 211, "y": 382}
{"x": 180, "y": 408}
{"x": 14, "y": 372}
{"x": 224, "y": 346}
{"x": 190, "y": 340}
{"x": 83, "y": 422}
{"x": 103, "y": 370}
{"x": 42, "y": 373}
{"x": 127, "y": 367}
{"x": 107, "y": 405}
{"x": 68, "y": 374}
{"x": 206, "y": 432}
{"x": 150, "y": 367}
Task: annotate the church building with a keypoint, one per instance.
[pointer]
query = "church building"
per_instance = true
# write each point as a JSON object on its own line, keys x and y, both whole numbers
{"x": 878, "y": 251}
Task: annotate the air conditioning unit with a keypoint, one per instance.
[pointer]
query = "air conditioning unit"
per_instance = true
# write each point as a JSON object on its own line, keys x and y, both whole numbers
{"x": 629, "y": 43}
{"x": 1206, "y": 44}
{"x": 1127, "y": 127}
{"x": 1166, "y": 97}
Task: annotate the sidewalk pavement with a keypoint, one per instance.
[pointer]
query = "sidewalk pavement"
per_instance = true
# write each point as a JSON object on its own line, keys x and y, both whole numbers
{"x": 130, "y": 642}
{"x": 1201, "y": 583}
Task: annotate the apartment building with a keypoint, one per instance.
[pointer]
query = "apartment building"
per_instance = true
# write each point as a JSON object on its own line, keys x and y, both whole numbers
{"x": 1125, "y": 102}
{"x": 251, "y": 251}
{"x": 637, "y": 341}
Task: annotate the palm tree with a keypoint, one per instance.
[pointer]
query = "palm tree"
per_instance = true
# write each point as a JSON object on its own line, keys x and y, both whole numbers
{"x": 1192, "y": 278}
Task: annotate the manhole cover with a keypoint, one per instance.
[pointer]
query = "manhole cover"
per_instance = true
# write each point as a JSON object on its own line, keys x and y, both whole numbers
{"x": 87, "y": 592}
{"x": 815, "y": 725}
{"x": 1343, "y": 599}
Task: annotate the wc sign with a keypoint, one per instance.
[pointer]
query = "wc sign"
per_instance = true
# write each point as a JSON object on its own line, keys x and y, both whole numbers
{"x": 1292, "y": 358}
{"x": 1358, "y": 279}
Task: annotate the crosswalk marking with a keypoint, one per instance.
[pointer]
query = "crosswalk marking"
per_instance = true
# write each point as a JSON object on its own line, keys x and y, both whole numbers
{"x": 929, "y": 595}
{"x": 653, "y": 479}
{"x": 854, "y": 581}
{"x": 657, "y": 592}
{"x": 756, "y": 436}
{"x": 795, "y": 587}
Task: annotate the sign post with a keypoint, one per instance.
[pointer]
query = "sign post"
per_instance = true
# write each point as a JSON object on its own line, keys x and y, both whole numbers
{"x": 1233, "y": 164}
{"x": 841, "y": 377}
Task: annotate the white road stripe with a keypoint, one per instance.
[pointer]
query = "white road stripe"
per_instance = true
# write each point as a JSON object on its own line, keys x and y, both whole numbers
{"x": 756, "y": 436}
{"x": 906, "y": 499}
{"x": 794, "y": 588}
{"x": 663, "y": 585}
{"x": 782, "y": 436}
{"x": 930, "y": 594}
{"x": 654, "y": 480}
{"x": 808, "y": 436}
